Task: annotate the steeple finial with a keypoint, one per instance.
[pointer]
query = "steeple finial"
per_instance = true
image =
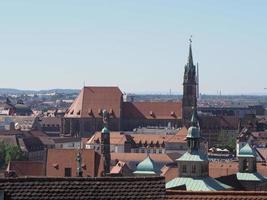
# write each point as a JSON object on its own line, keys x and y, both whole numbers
{"x": 190, "y": 57}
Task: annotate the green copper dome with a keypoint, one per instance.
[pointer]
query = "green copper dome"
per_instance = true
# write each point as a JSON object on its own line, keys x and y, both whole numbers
{"x": 193, "y": 132}
{"x": 247, "y": 151}
{"x": 147, "y": 166}
{"x": 105, "y": 130}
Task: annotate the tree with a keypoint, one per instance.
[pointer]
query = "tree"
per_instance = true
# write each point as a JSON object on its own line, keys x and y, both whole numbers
{"x": 8, "y": 153}
{"x": 226, "y": 140}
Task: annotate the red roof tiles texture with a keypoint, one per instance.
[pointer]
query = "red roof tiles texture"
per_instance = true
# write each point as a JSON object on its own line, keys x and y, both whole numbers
{"x": 92, "y": 100}
{"x": 27, "y": 168}
{"x": 59, "y": 159}
{"x": 152, "y": 110}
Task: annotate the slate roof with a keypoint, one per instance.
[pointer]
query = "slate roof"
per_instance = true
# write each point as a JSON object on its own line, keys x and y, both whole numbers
{"x": 218, "y": 195}
{"x": 83, "y": 188}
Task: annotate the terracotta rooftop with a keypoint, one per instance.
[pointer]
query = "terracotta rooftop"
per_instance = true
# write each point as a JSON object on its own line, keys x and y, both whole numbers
{"x": 180, "y": 136}
{"x": 115, "y": 138}
{"x": 27, "y": 168}
{"x": 92, "y": 100}
{"x": 152, "y": 110}
{"x": 59, "y": 159}
{"x": 83, "y": 188}
{"x": 140, "y": 157}
{"x": 133, "y": 159}
{"x": 218, "y": 195}
{"x": 150, "y": 138}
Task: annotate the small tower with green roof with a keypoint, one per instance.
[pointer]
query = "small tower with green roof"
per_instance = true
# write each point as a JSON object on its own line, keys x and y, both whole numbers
{"x": 247, "y": 159}
{"x": 146, "y": 168}
{"x": 105, "y": 144}
{"x": 193, "y": 165}
{"x": 248, "y": 175}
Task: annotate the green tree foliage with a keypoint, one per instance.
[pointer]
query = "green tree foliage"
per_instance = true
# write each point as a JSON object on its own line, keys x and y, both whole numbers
{"x": 226, "y": 141}
{"x": 8, "y": 153}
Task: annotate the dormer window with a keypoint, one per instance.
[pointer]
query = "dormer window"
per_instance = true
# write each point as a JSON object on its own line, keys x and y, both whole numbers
{"x": 90, "y": 112}
{"x": 152, "y": 114}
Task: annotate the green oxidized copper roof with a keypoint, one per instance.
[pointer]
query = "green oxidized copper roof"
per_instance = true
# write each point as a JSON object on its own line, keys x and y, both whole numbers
{"x": 197, "y": 184}
{"x": 147, "y": 166}
{"x": 250, "y": 176}
{"x": 194, "y": 156}
{"x": 193, "y": 132}
{"x": 194, "y": 119}
{"x": 22, "y": 108}
{"x": 247, "y": 151}
{"x": 105, "y": 130}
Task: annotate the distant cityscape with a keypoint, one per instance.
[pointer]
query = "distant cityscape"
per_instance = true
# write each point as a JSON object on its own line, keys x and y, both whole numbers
{"x": 173, "y": 143}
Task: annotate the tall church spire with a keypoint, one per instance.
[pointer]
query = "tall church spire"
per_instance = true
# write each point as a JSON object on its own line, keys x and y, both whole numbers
{"x": 190, "y": 56}
{"x": 190, "y": 87}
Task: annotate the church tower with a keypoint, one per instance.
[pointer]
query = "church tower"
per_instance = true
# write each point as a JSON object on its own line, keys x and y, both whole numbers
{"x": 190, "y": 88}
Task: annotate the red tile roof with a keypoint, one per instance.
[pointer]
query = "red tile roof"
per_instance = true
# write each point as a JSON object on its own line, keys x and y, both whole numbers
{"x": 59, "y": 159}
{"x": 150, "y": 138}
{"x": 92, "y": 100}
{"x": 116, "y": 138}
{"x": 179, "y": 137}
{"x": 164, "y": 158}
{"x": 152, "y": 110}
{"x": 27, "y": 168}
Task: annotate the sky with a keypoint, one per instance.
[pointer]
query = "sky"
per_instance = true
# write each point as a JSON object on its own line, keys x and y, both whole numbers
{"x": 139, "y": 45}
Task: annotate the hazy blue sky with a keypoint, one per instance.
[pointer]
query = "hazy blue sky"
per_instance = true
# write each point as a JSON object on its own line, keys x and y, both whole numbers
{"x": 138, "y": 45}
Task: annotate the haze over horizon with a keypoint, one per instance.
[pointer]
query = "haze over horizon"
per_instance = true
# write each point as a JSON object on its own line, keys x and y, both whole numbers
{"x": 140, "y": 46}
